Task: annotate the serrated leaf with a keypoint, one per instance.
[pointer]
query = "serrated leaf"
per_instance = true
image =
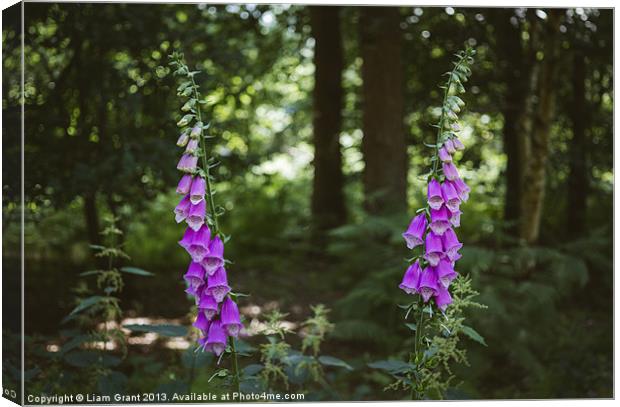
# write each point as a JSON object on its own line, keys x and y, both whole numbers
{"x": 411, "y": 326}
{"x": 136, "y": 271}
{"x": 85, "y": 304}
{"x": 392, "y": 366}
{"x": 472, "y": 334}
{"x": 332, "y": 361}
{"x": 168, "y": 330}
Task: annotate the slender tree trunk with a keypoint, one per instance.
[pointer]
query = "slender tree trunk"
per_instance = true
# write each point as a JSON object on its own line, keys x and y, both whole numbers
{"x": 536, "y": 146}
{"x": 328, "y": 203}
{"x": 383, "y": 145}
{"x": 515, "y": 65}
{"x": 578, "y": 179}
{"x": 91, "y": 215}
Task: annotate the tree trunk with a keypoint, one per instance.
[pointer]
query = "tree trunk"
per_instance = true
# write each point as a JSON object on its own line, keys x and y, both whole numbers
{"x": 328, "y": 204}
{"x": 383, "y": 144}
{"x": 578, "y": 179}
{"x": 515, "y": 63}
{"x": 535, "y": 147}
{"x": 91, "y": 216}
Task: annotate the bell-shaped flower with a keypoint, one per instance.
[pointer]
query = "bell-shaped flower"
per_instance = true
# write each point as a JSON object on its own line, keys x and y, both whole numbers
{"x": 197, "y": 193}
{"x": 215, "y": 258}
{"x": 450, "y": 171}
{"x": 216, "y": 340}
{"x": 185, "y": 184}
{"x": 458, "y": 144}
{"x": 462, "y": 189}
{"x": 217, "y": 284}
{"x": 445, "y": 273}
{"x": 411, "y": 279}
{"x": 444, "y": 155}
{"x": 187, "y": 239}
{"x": 195, "y": 292}
{"x": 455, "y": 218}
{"x": 433, "y": 196}
{"x": 450, "y": 196}
{"x": 439, "y": 220}
{"x": 201, "y": 322}
{"x": 192, "y": 146}
{"x": 187, "y": 163}
{"x": 434, "y": 249}
{"x": 181, "y": 211}
{"x": 195, "y": 274}
{"x": 415, "y": 232}
{"x": 183, "y": 139}
{"x": 208, "y": 305}
{"x": 199, "y": 247}
{"x": 451, "y": 244}
{"x": 196, "y": 215}
{"x": 443, "y": 298}
{"x": 195, "y": 132}
{"x": 428, "y": 284}
{"x": 231, "y": 321}
{"x": 449, "y": 145}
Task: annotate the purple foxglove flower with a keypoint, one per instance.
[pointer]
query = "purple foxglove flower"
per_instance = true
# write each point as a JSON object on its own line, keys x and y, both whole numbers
{"x": 203, "y": 340}
{"x": 192, "y": 146}
{"x": 217, "y": 284}
{"x": 428, "y": 284}
{"x": 201, "y": 322}
{"x": 215, "y": 258}
{"x": 450, "y": 196}
{"x": 183, "y": 139}
{"x": 442, "y": 298}
{"x": 415, "y": 232}
{"x": 462, "y": 189}
{"x": 411, "y": 279}
{"x": 434, "y": 249}
{"x": 449, "y": 145}
{"x": 187, "y": 163}
{"x": 195, "y": 133}
{"x": 230, "y": 317}
{"x": 186, "y": 240}
{"x": 444, "y": 155}
{"x": 197, "y": 192}
{"x": 450, "y": 171}
{"x": 439, "y": 220}
{"x": 455, "y": 218}
{"x": 434, "y": 197}
{"x": 216, "y": 341}
{"x": 195, "y": 274}
{"x": 196, "y": 215}
{"x": 185, "y": 184}
{"x": 458, "y": 144}
{"x": 445, "y": 273}
{"x": 456, "y": 127}
{"x": 451, "y": 244}
{"x": 195, "y": 291}
{"x": 199, "y": 246}
{"x": 208, "y": 305}
{"x": 182, "y": 209}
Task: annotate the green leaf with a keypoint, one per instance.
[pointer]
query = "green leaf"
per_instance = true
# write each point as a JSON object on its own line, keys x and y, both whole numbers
{"x": 332, "y": 361}
{"x": 469, "y": 331}
{"x": 89, "y": 273}
{"x": 168, "y": 330}
{"x": 83, "y": 305}
{"x": 136, "y": 271}
{"x": 412, "y": 326}
{"x": 392, "y": 366}
{"x": 251, "y": 370}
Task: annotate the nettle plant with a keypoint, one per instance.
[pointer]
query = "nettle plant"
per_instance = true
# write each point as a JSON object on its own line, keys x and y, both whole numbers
{"x": 436, "y": 315}
{"x": 217, "y": 319}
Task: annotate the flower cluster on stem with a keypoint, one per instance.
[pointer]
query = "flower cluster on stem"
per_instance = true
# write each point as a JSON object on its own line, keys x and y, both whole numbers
{"x": 218, "y": 317}
{"x": 433, "y": 229}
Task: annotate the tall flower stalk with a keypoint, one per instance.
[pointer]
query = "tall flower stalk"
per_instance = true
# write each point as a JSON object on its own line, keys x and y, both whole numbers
{"x": 431, "y": 233}
{"x": 218, "y": 317}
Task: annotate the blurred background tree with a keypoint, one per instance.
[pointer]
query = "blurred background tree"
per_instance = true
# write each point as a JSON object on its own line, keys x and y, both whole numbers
{"x": 321, "y": 115}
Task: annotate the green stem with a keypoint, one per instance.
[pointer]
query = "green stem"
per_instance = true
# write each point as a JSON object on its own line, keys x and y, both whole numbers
{"x": 216, "y": 228}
